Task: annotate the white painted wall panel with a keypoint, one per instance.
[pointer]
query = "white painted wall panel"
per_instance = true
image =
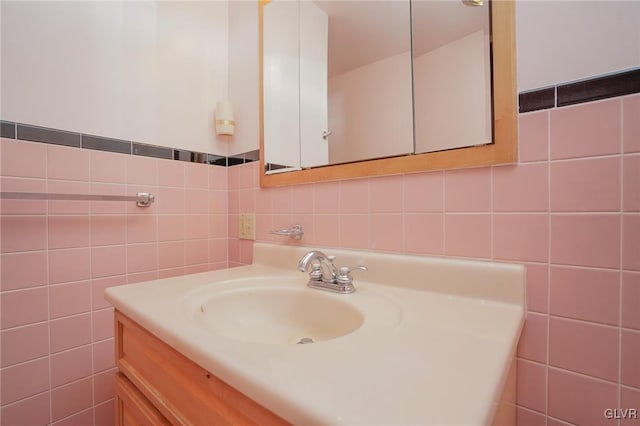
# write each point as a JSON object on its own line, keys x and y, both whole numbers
{"x": 244, "y": 75}
{"x": 562, "y": 41}
{"x": 144, "y": 71}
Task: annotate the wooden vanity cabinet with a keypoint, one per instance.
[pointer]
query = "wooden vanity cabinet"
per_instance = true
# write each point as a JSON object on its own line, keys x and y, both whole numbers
{"x": 157, "y": 385}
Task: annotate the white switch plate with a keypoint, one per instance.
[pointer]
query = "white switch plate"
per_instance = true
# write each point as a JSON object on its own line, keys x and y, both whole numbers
{"x": 247, "y": 226}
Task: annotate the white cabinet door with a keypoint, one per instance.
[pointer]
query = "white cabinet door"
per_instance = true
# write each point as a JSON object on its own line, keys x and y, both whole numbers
{"x": 281, "y": 83}
{"x": 314, "y": 40}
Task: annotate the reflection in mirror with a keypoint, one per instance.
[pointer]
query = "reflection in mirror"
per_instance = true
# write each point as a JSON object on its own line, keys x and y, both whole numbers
{"x": 369, "y": 79}
{"x": 452, "y": 74}
{"x": 353, "y": 77}
{"x": 280, "y": 85}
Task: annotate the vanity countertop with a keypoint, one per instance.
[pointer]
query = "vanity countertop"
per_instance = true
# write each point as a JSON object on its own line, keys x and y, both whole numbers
{"x": 444, "y": 359}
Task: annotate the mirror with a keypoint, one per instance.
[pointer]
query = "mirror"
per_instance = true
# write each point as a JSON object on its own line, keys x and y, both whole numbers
{"x": 343, "y": 91}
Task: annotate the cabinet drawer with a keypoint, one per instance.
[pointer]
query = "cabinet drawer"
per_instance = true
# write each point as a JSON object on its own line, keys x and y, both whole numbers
{"x": 182, "y": 391}
{"x": 133, "y": 408}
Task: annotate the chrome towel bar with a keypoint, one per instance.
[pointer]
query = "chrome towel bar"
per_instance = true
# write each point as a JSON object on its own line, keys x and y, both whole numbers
{"x": 142, "y": 199}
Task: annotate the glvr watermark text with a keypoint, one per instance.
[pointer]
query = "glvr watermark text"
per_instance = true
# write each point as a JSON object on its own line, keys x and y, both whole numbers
{"x": 621, "y": 413}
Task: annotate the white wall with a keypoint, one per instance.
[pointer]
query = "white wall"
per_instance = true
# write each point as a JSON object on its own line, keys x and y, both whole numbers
{"x": 562, "y": 41}
{"x": 144, "y": 71}
{"x": 370, "y": 113}
{"x": 244, "y": 75}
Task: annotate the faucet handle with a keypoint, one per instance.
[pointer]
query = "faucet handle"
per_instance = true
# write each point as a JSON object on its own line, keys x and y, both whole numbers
{"x": 344, "y": 275}
{"x": 347, "y": 269}
{"x": 316, "y": 272}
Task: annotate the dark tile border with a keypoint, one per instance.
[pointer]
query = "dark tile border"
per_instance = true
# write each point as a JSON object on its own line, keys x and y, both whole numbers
{"x": 244, "y": 157}
{"x": 46, "y": 135}
{"x": 151, "y": 151}
{"x": 181, "y": 155}
{"x": 537, "y": 99}
{"x": 7, "y": 129}
{"x": 27, "y": 132}
{"x": 625, "y": 83}
{"x": 105, "y": 144}
{"x": 217, "y": 160}
{"x": 235, "y": 160}
{"x": 587, "y": 90}
{"x": 252, "y": 156}
{"x": 189, "y": 156}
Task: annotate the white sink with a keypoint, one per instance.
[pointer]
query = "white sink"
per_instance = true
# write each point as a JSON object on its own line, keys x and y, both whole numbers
{"x": 272, "y": 313}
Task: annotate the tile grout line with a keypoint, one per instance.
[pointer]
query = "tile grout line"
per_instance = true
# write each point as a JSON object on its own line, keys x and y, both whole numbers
{"x": 93, "y": 401}
{"x": 584, "y": 375}
{"x": 403, "y": 214}
{"x": 369, "y": 217}
{"x": 228, "y": 208}
{"x": 49, "y": 390}
{"x": 126, "y": 224}
{"x": 492, "y": 212}
{"x": 587, "y": 322}
{"x": 620, "y": 260}
{"x": 184, "y": 222}
{"x": 444, "y": 213}
{"x": 255, "y": 176}
{"x": 549, "y": 235}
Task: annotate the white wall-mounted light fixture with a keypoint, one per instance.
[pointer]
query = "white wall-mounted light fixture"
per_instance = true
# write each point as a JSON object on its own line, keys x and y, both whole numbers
{"x": 225, "y": 124}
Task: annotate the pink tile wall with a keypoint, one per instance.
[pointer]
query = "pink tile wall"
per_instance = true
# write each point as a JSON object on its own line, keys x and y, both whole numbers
{"x": 56, "y": 329}
{"x": 569, "y": 211}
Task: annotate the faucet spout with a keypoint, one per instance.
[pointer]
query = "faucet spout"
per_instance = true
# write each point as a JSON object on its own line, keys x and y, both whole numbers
{"x": 308, "y": 258}
{"x": 324, "y": 274}
{"x": 329, "y": 271}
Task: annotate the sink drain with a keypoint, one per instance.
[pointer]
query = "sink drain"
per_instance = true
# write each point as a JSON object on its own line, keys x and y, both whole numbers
{"x": 305, "y": 340}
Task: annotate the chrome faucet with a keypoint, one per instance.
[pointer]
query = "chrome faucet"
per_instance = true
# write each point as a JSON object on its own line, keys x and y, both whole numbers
{"x": 324, "y": 275}
{"x": 319, "y": 261}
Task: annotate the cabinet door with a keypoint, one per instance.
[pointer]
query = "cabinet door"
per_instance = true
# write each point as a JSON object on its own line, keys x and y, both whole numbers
{"x": 182, "y": 391}
{"x": 314, "y": 113}
{"x": 132, "y": 408}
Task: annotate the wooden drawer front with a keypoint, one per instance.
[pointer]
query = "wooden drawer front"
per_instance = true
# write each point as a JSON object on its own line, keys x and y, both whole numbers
{"x": 181, "y": 390}
{"x": 132, "y": 408}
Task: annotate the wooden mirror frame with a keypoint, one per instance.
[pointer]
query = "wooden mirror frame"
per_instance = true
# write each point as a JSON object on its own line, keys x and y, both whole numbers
{"x": 505, "y": 130}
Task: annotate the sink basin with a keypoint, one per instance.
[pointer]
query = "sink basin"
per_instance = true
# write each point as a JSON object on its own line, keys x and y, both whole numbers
{"x": 276, "y": 315}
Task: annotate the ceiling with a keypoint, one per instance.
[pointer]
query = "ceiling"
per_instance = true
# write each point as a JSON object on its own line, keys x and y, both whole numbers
{"x": 365, "y": 31}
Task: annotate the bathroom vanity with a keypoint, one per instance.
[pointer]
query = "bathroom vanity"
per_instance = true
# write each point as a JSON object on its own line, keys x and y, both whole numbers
{"x": 158, "y": 385}
{"x": 421, "y": 341}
